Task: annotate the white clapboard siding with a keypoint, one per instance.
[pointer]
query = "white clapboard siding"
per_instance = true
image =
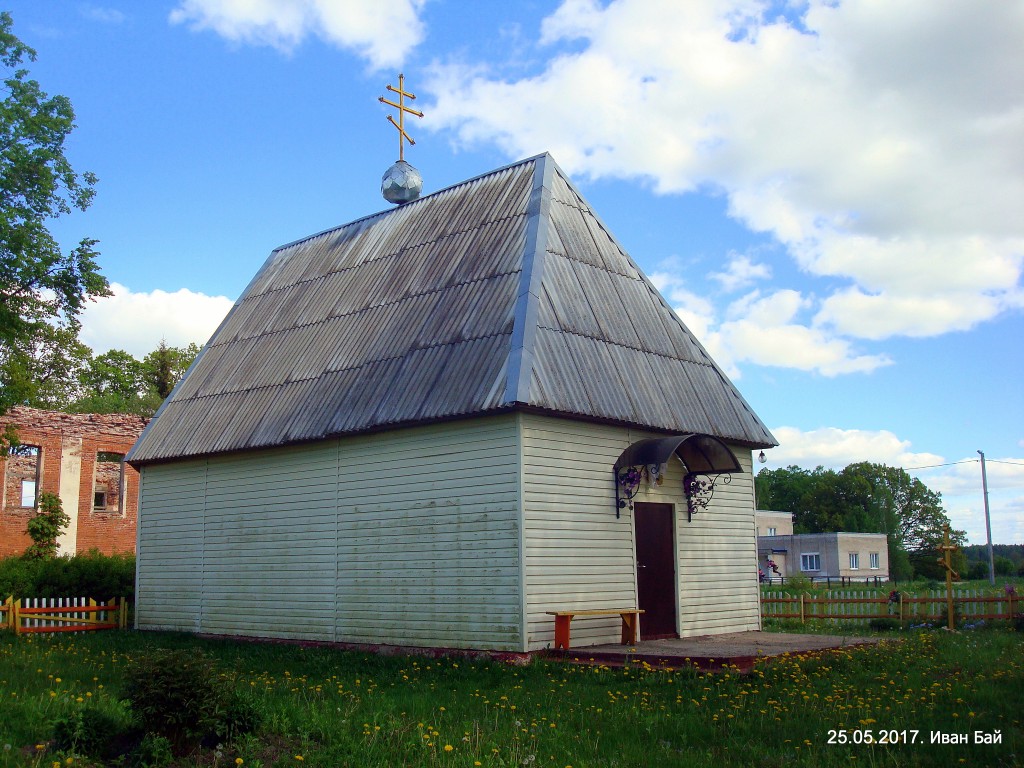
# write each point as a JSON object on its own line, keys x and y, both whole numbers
{"x": 579, "y": 555}
{"x": 169, "y": 552}
{"x": 428, "y": 537}
{"x": 406, "y": 538}
{"x": 718, "y": 585}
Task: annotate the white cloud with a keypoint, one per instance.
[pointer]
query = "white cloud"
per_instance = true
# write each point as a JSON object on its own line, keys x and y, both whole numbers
{"x": 879, "y": 142}
{"x": 740, "y": 273}
{"x": 835, "y": 448}
{"x": 102, "y": 14}
{"x": 765, "y": 330}
{"x": 790, "y": 345}
{"x": 136, "y": 322}
{"x": 382, "y": 31}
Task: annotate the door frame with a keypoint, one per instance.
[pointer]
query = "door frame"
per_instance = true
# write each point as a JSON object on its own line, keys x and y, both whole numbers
{"x": 674, "y": 519}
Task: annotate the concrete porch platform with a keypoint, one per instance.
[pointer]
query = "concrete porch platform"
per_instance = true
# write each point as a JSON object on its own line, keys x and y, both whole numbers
{"x": 741, "y": 649}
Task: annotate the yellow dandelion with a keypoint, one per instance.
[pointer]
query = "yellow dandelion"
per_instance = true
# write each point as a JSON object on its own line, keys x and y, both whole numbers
{"x": 448, "y": 747}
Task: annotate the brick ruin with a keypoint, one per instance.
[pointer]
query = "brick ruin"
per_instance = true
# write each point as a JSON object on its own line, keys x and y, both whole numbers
{"x": 78, "y": 456}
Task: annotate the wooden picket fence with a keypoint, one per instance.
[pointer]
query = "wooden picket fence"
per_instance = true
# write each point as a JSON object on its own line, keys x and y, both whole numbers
{"x": 62, "y": 614}
{"x": 840, "y": 605}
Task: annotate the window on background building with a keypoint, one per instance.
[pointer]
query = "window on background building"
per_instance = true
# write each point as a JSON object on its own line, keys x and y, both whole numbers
{"x": 108, "y": 482}
{"x": 810, "y": 561}
{"x": 771, "y": 531}
{"x": 854, "y": 561}
{"x": 873, "y": 560}
{"x": 21, "y": 476}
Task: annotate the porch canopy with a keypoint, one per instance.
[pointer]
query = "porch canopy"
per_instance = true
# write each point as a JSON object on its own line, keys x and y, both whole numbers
{"x": 702, "y": 454}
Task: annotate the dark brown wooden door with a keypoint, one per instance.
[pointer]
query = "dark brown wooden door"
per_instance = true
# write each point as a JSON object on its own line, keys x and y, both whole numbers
{"x": 655, "y": 570}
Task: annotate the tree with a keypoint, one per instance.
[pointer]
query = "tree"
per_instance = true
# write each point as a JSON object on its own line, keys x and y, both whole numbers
{"x": 783, "y": 489}
{"x": 56, "y": 370}
{"x": 116, "y": 382}
{"x": 164, "y": 366}
{"x": 869, "y": 498}
{"x": 44, "y": 529}
{"x": 42, "y": 289}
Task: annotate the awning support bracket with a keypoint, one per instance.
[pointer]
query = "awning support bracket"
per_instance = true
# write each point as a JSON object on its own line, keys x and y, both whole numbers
{"x": 707, "y": 460}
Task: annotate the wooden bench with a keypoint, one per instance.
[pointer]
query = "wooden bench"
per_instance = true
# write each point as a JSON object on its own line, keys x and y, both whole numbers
{"x": 564, "y": 618}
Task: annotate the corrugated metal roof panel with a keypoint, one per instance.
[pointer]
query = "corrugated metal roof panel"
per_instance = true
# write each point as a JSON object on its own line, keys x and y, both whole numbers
{"x": 642, "y": 384}
{"x": 418, "y": 313}
{"x": 601, "y": 379}
{"x": 574, "y": 235}
{"x": 567, "y": 299}
{"x": 680, "y": 396}
{"x": 613, "y": 317}
{"x": 644, "y": 314}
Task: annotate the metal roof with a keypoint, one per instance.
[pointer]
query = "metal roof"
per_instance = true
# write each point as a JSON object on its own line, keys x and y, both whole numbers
{"x": 504, "y": 291}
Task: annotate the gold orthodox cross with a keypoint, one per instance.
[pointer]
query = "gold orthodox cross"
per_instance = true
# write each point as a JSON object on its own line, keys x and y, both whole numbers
{"x": 402, "y": 109}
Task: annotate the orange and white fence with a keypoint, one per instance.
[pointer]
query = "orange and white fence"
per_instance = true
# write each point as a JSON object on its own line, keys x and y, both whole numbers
{"x": 62, "y": 614}
{"x": 969, "y": 605}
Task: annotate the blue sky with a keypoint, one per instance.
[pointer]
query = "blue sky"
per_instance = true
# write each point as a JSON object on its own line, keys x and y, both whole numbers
{"x": 829, "y": 194}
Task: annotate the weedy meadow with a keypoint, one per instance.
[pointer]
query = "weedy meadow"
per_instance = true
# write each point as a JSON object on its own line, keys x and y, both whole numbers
{"x": 155, "y": 700}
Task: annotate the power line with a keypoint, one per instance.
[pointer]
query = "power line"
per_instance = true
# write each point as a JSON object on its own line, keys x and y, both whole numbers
{"x": 1013, "y": 463}
{"x": 947, "y": 464}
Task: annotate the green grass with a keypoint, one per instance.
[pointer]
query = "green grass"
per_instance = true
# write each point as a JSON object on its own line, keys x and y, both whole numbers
{"x": 336, "y": 708}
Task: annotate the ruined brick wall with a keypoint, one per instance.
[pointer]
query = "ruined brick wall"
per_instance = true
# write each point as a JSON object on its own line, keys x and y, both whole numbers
{"x": 69, "y": 447}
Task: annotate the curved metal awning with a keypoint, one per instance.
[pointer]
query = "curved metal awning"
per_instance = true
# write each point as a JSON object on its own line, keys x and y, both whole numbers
{"x": 702, "y": 454}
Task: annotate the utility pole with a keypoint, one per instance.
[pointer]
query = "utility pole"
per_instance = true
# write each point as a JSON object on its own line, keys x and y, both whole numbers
{"x": 988, "y": 523}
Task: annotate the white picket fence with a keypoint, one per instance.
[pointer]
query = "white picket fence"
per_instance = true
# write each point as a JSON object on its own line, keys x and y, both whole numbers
{"x": 62, "y": 614}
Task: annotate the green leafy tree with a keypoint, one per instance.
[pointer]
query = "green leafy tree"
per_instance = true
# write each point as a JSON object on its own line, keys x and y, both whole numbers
{"x": 56, "y": 370}
{"x": 869, "y": 498}
{"x": 42, "y": 289}
{"x": 117, "y": 382}
{"x": 1003, "y": 566}
{"x": 45, "y": 527}
{"x": 783, "y": 489}
{"x": 164, "y": 367}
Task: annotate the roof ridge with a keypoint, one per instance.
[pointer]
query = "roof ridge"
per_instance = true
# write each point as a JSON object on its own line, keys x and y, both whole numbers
{"x": 525, "y": 316}
{"x": 388, "y": 211}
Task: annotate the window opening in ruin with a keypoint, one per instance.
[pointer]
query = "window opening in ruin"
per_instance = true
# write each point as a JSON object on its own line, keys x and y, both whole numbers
{"x": 21, "y": 476}
{"x": 28, "y": 493}
{"x": 108, "y": 482}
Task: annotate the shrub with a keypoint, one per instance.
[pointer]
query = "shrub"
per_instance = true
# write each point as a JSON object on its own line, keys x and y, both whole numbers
{"x": 977, "y": 570}
{"x": 884, "y": 625}
{"x": 798, "y": 584}
{"x": 85, "y": 575}
{"x": 179, "y": 695}
{"x": 1004, "y": 566}
{"x": 153, "y": 752}
{"x": 18, "y": 577}
{"x": 91, "y": 732}
{"x": 44, "y": 529}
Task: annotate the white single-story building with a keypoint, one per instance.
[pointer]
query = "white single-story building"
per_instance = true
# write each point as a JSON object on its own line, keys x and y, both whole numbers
{"x": 434, "y": 425}
{"x": 818, "y": 556}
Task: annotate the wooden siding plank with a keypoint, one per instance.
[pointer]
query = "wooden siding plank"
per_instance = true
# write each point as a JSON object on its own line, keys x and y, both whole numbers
{"x": 578, "y": 555}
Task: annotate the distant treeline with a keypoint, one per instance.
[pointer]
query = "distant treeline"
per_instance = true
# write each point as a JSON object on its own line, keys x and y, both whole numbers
{"x": 1007, "y": 559}
{"x": 1014, "y": 552}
